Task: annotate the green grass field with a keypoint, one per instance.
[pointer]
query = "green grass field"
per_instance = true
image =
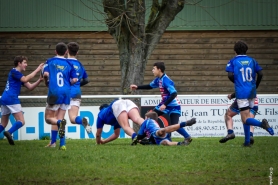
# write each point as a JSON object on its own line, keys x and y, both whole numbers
{"x": 205, "y": 161}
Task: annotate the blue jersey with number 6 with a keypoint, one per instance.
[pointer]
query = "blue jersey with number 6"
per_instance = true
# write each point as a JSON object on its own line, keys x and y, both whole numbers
{"x": 60, "y": 72}
{"x": 244, "y": 69}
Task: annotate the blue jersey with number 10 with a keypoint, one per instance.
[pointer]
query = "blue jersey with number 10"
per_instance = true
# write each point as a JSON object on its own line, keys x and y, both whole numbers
{"x": 60, "y": 72}
{"x": 244, "y": 69}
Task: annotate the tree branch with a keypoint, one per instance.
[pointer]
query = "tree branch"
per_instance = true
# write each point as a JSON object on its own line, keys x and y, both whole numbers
{"x": 154, "y": 11}
{"x": 168, "y": 10}
{"x": 114, "y": 11}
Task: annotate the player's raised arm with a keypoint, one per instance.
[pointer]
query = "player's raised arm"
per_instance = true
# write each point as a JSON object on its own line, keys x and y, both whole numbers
{"x": 27, "y": 78}
{"x": 133, "y": 87}
{"x": 32, "y": 86}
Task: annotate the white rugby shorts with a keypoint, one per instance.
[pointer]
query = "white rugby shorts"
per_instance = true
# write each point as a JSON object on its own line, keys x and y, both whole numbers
{"x": 75, "y": 102}
{"x": 57, "y": 106}
{"x": 122, "y": 105}
{"x": 8, "y": 109}
{"x": 246, "y": 103}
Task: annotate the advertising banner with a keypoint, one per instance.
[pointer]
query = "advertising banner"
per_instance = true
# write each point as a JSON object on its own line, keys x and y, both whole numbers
{"x": 210, "y": 110}
{"x": 36, "y": 128}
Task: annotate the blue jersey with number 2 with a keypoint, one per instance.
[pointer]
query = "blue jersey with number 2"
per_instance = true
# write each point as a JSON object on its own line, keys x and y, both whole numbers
{"x": 244, "y": 69}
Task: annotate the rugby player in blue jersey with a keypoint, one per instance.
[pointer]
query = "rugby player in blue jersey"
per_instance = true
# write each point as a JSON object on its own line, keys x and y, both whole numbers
{"x": 75, "y": 101}
{"x": 9, "y": 101}
{"x": 169, "y": 104}
{"x": 59, "y": 74}
{"x": 233, "y": 111}
{"x": 242, "y": 71}
{"x": 117, "y": 114}
{"x": 150, "y": 128}
{"x": 75, "y": 90}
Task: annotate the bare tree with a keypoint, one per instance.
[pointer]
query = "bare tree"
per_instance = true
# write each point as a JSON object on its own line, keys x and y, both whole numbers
{"x": 136, "y": 39}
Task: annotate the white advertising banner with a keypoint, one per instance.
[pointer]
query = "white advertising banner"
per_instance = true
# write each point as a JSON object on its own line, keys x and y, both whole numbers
{"x": 36, "y": 128}
{"x": 210, "y": 110}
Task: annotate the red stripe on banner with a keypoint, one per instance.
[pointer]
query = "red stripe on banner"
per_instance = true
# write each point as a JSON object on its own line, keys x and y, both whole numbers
{"x": 164, "y": 121}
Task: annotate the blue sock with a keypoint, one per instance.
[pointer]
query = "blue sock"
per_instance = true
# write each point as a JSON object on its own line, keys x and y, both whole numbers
{"x": 230, "y": 131}
{"x": 78, "y": 120}
{"x": 133, "y": 135}
{"x": 254, "y": 122}
{"x": 182, "y": 132}
{"x": 1, "y": 129}
{"x": 63, "y": 141}
{"x": 182, "y": 124}
{"x": 58, "y": 123}
{"x": 54, "y": 134}
{"x": 251, "y": 134}
{"x": 17, "y": 125}
{"x": 246, "y": 133}
{"x": 179, "y": 143}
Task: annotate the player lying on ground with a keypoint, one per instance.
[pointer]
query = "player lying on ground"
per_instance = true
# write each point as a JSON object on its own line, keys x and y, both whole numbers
{"x": 161, "y": 135}
{"x": 117, "y": 114}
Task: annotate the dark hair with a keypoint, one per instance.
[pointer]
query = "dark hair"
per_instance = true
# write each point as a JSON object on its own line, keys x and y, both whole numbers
{"x": 61, "y": 48}
{"x": 73, "y": 48}
{"x": 240, "y": 47}
{"x": 103, "y": 106}
{"x": 152, "y": 115}
{"x": 19, "y": 59}
{"x": 160, "y": 65}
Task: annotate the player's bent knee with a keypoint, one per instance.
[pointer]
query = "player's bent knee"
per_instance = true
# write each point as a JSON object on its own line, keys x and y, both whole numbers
{"x": 48, "y": 121}
{"x": 227, "y": 116}
{"x": 72, "y": 121}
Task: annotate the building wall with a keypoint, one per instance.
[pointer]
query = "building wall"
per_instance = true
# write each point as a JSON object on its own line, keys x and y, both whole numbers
{"x": 76, "y": 15}
{"x": 195, "y": 60}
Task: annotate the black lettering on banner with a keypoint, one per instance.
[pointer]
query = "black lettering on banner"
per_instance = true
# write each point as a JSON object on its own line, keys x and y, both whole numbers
{"x": 218, "y": 112}
{"x": 270, "y": 111}
{"x": 193, "y": 113}
{"x": 204, "y": 101}
{"x": 219, "y": 101}
{"x": 271, "y": 100}
{"x": 151, "y": 102}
